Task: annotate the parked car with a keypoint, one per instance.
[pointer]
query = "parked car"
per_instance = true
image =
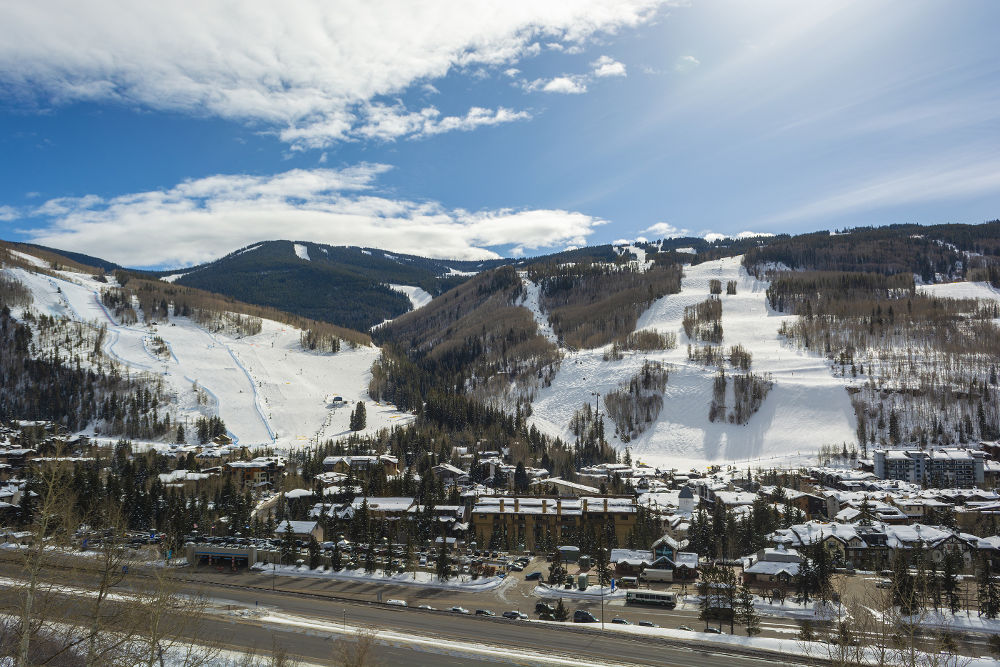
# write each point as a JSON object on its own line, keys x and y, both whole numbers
{"x": 648, "y": 624}
{"x": 583, "y": 616}
{"x": 426, "y": 606}
{"x": 883, "y": 583}
{"x": 684, "y": 627}
{"x": 460, "y": 610}
{"x": 620, "y": 621}
{"x": 533, "y": 576}
{"x": 544, "y": 608}
{"x": 713, "y": 631}
{"x": 515, "y": 615}
{"x": 484, "y": 612}
{"x": 517, "y": 567}
{"x": 396, "y": 603}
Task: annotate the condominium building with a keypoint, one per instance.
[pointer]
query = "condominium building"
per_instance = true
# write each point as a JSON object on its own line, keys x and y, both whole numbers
{"x": 942, "y": 468}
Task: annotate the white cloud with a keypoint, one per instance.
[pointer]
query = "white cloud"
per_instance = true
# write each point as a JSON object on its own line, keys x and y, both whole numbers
{"x": 568, "y": 85}
{"x": 389, "y": 122}
{"x": 201, "y": 219}
{"x": 8, "y": 213}
{"x": 307, "y": 70}
{"x": 686, "y": 63}
{"x": 511, "y": 72}
{"x": 712, "y": 237}
{"x": 607, "y": 66}
{"x": 665, "y": 230}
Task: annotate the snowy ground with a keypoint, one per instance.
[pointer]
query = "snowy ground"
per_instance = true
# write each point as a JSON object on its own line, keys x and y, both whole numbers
{"x": 267, "y": 389}
{"x": 807, "y": 406}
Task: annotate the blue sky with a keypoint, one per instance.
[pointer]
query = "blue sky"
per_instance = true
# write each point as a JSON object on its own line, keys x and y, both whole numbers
{"x": 169, "y": 135}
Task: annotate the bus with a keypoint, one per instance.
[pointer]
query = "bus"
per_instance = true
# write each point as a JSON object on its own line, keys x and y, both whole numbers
{"x": 668, "y": 600}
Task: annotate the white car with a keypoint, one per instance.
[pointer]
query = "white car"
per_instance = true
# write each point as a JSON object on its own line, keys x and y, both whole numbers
{"x": 460, "y": 610}
{"x": 396, "y": 603}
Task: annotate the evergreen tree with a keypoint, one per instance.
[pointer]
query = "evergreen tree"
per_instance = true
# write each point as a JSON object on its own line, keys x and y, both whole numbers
{"x": 903, "y": 588}
{"x": 315, "y": 559}
{"x": 602, "y": 561}
{"x": 443, "y": 567}
{"x": 288, "y": 549}
{"x": 949, "y": 581}
{"x": 746, "y": 613}
{"x": 561, "y": 614}
{"x": 987, "y": 592}
{"x": 337, "y": 559}
{"x": 359, "y": 418}
{"x": 370, "y": 563}
{"x": 521, "y": 481}
{"x": 557, "y": 574}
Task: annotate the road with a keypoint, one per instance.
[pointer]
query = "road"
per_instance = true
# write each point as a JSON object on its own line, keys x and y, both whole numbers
{"x": 251, "y": 616}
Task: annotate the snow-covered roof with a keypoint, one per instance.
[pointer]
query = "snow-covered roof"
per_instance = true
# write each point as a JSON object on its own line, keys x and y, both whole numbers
{"x": 631, "y": 556}
{"x": 773, "y": 568}
{"x": 298, "y": 493}
{"x": 386, "y": 504}
{"x": 687, "y": 559}
{"x": 298, "y": 527}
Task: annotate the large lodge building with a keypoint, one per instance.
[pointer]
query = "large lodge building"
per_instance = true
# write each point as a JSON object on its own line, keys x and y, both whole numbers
{"x": 527, "y": 520}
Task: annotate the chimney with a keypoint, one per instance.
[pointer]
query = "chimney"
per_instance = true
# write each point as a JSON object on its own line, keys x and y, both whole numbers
{"x": 545, "y": 506}
{"x": 559, "y": 506}
{"x": 517, "y": 504}
{"x": 584, "y": 504}
{"x": 501, "y": 506}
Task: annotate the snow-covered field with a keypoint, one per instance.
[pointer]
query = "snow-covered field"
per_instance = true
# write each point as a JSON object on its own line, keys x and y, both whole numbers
{"x": 267, "y": 389}
{"x": 807, "y": 406}
{"x": 962, "y": 290}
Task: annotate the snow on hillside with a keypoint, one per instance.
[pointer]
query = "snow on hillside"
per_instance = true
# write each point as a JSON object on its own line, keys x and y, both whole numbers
{"x": 806, "y": 407}
{"x": 301, "y": 251}
{"x": 266, "y": 388}
{"x": 172, "y": 277}
{"x": 530, "y": 301}
{"x": 961, "y": 290}
{"x": 417, "y": 296}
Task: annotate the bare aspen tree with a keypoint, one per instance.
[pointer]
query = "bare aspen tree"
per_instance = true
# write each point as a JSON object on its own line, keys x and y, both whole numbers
{"x": 357, "y": 653}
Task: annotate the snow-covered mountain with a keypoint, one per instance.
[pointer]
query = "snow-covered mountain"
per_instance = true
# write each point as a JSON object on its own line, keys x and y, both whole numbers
{"x": 268, "y": 390}
{"x": 806, "y": 407}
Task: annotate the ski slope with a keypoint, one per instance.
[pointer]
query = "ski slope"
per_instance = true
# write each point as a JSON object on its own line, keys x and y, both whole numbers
{"x": 962, "y": 290}
{"x": 807, "y": 406}
{"x": 266, "y": 388}
{"x": 418, "y": 296}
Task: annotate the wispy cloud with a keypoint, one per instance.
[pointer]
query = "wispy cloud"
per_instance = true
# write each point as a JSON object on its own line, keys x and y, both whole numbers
{"x": 960, "y": 176}
{"x": 310, "y": 71}
{"x": 8, "y": 213}
{"x": 686, "y": 63}
{"x": 202, "y": 219}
